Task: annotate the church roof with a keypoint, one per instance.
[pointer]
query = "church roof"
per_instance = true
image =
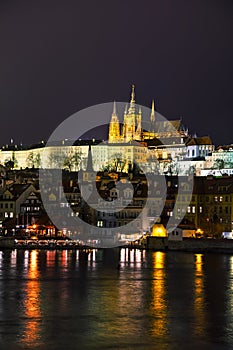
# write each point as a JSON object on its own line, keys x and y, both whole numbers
{"x": 204, "y": 140}
{"x": 167, "y": 126}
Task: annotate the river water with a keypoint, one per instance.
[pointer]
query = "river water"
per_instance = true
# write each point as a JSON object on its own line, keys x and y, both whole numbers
{"x": 115, "y": 299}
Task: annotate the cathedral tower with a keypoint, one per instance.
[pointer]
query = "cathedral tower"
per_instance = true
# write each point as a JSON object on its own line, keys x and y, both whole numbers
{"x": 132, "y": 121}
{"x": 114, "y": 128}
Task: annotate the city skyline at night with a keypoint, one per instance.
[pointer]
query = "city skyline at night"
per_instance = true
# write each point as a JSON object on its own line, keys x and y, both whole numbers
{"x": 57, "y": 62}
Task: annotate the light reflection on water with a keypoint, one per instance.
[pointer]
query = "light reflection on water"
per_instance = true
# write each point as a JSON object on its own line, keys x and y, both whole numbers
{"x": 115, "y": 299}
{"x": 199, "y": 296}
{"x": 159, "y": 308}
{"x": 30, "y": 333}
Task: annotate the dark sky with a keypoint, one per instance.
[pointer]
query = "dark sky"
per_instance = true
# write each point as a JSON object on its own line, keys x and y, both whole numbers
{"x": 59, "y": 56}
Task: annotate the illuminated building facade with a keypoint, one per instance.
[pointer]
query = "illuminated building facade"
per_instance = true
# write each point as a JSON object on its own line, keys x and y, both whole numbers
{"x": 165, "y": 148}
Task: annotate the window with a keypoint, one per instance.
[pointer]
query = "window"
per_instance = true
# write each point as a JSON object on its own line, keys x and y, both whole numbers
{"x": 100, "y": 223}
{"x": 189, "y": 209}
{"x": 193, "y": 209}
{"x": 200, "y": 209}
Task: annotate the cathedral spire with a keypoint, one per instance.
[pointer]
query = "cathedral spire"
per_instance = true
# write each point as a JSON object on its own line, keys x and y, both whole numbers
{"x": 89, "y": 160}
{"x": 152, "y": 116}
{"x": 114, "y": 108}
{"x": 114, "y": 127}
{"x": 133, "y": 94}
{"x": 132, "y": 101}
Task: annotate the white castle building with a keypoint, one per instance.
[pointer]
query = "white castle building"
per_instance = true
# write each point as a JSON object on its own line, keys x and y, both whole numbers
{"x": 166, "y": 148}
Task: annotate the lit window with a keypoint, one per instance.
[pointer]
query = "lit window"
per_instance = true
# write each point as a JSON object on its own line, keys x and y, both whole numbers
{"x": 193, "y": 209}
{"x": 189, "y": 210}
{"x": 200, "y": 209}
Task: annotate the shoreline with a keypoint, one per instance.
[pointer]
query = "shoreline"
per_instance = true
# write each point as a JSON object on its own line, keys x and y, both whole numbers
{"x": 188, "y": 245}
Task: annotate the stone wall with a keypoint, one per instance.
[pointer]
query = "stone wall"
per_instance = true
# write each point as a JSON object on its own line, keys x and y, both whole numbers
{"x": 191, "y": 244}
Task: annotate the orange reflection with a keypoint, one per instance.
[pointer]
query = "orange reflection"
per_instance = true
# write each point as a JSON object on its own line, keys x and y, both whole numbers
{"x": 199, "y": 307}
{"x": 31, "y": 303}
{"x": 64, "y": 260}
{"x": 50, "y": 258}
{"x": 159, "y": 305}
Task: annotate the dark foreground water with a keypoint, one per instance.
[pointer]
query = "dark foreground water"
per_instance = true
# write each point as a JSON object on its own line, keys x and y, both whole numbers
{"x": 151, "y": 300}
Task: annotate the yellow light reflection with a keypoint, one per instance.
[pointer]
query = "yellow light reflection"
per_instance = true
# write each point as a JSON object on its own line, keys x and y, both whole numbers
{"x": 199, "y": 302}
{"x": 159, "y": 305}
{"x": 230, "y": 300}
{"x": 31, "y": 307}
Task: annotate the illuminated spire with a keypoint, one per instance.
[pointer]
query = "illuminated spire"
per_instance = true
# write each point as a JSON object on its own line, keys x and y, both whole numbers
{"x": 114, "y": 127}
{"x": 133, "y": 94}
{"x": 114, "y": 108}
{"x": 132, "y": 101}
{"x": 152, "y": 116}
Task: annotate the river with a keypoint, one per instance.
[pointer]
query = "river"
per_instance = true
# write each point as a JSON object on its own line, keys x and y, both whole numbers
{"x": 115, "y": 299}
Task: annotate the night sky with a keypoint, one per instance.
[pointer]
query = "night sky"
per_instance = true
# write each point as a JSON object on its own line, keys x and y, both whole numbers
{"x": 59, "y": 56}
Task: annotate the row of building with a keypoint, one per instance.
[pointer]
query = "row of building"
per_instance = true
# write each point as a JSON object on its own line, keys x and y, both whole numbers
{"x": 205, "y": 207}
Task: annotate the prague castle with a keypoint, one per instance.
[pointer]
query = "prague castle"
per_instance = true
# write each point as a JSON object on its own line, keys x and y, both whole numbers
{"x": 159, "y": 144}
{"x": 132, "y": 128}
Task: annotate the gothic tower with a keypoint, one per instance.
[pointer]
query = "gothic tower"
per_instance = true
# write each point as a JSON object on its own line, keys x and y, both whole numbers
{"x": 152, "y": 118}
{"x": 114, "y": 128}
{"x": 132, "y": 121}
{"x": 89, "y": 173}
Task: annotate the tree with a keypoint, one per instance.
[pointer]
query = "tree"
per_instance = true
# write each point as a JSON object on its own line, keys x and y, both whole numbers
{"x": 191, "y": 170}
{"x": 9, "y": 164}
{"x": 229, "y": 165}
{"x": 67, "y": 164}
{"x": 30, "y": 160}
{"x": 56, "y": 160}
{"x": 117, "y": 162}
{"x": 219, "y": 164}
{"x": 76, "y": 159}
{"x": 38, "y": 160}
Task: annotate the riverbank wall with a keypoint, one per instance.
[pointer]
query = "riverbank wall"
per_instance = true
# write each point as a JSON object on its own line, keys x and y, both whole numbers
{"x": 190, "y": 244}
